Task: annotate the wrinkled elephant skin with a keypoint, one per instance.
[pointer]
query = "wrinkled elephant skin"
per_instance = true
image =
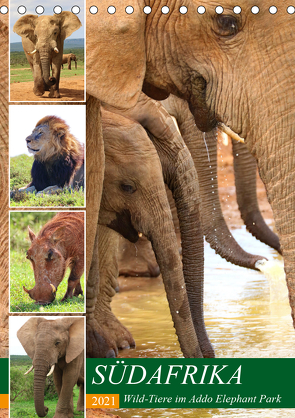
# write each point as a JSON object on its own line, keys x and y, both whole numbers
{"x": 236, "y": 69}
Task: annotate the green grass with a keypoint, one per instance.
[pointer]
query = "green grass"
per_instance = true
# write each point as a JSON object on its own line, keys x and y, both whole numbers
{"x": 21, "y": 273}
{"x": 20, "y": 176}
{"x": 20, "y": 69}
{"x": 26, "y": 408}
{"x": 21, "y": 388}
{"x": 20, "y": 171}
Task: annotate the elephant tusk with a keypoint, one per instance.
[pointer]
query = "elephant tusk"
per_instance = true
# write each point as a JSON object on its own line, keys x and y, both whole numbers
{"x": 51, "y": 370}
{"x": 29, "y": 371}
{"x": 230, "y": 133}
{"x": 56, "y": 50}
{"x": 33, "y": 52}
{"x": 140, "y": 234}
{"x": 53, "y": 288}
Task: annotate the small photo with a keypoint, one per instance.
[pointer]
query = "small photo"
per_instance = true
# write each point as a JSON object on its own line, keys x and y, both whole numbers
{"x": 46, "y": 366}
{"x": 47, "y": 261}
{"x": 47, "y": 150}
{"x": 47, "y": 51}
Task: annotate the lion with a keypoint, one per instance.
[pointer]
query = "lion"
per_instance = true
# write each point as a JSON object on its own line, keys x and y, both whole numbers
{"x": 58, "y": 157}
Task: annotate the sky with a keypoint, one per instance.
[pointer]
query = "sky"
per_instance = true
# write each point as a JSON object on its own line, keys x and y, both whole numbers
{"x": 48, "y": 6}
{"x": 15, "y": 323}
{"x": 23, "y": 119}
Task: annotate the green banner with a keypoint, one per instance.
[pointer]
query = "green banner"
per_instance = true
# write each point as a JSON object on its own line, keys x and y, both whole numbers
{"x": 190, "y": 383}
{"x": 4, "y": 376}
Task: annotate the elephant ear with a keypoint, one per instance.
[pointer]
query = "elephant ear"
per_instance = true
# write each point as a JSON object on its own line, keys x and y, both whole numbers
{"x": 76, "y": 344}
{"x": 26, "y": 335}
{"x": 69, "y": 23}
{"x": 25, "y": 27}
{"x": 116, "y": 60}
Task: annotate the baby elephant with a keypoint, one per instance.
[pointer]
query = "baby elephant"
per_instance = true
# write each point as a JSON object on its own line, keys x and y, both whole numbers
{"x": 59, "y": 244}
{"x": 56, "y": 346}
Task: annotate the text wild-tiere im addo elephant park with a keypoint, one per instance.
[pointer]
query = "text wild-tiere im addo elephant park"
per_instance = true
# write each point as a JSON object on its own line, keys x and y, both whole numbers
{"x": 150, "y": 212}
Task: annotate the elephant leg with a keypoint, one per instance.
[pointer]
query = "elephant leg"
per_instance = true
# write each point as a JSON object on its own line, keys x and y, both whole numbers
{"x": 70, "y": 375}
{"x": 108, "y": 326}
{"x": 57, "y": 378}
{"x": 80, "y": 403}
{"x": 54, "y": 90}
{"x": 39, "y": 86}
{"x": 74, "y": 281}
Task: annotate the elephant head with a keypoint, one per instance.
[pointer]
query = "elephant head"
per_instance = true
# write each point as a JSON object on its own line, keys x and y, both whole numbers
{"x": 47, "y": 342}
{"x": 45, "y": 35}
{"x": 232, "y": 68}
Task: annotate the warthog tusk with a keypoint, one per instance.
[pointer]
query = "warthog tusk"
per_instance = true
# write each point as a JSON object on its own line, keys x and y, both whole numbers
{"x": 29, "y": 371}
{"x": 140, "y": 234}
{"x": 230, "y": 133}
{"x": 33, "y": 52}
{"x": 51, "y": 370}
{"x": 53, "y": 288}
{"x": 56, "y": 50}
{"x": 26, "y": 290}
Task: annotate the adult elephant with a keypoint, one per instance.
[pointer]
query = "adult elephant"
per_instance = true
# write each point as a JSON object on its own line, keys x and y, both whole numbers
{"x": 56, "y": 346}
{"x": 222, "y": 64}
{"x": 43, "y": 38}
{"x": 67, "y": 59}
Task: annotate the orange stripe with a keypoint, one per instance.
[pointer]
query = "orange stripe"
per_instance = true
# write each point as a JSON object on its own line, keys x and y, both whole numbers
{"x": 4, "y": 401}
{"x": 102, "y": 401}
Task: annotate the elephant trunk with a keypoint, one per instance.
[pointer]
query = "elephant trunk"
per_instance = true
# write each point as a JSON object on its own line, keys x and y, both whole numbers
{"x": 163, "y": 240}
{"x": 245, "y": 168}
{"x": 181, "y": 177}
{"x": 45, "y": 54}
{"x": 41, "y": 368}
{"x": 203, "y": 148}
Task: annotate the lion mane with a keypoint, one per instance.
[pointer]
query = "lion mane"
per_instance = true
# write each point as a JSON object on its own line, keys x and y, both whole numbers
{"x": 60, "y": 160}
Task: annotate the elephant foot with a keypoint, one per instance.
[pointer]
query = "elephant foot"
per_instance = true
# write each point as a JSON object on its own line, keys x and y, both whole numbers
{"x": 38, "y": 93}
{"x": 137, "y": 260}
{"x": 63, "y": 415}
{"x": 106, "y": 335}
{"x": 80, "y": 407}
{"x": 54, "y": 94}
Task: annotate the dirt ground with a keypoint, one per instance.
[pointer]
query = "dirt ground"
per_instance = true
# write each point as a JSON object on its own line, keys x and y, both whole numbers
{"x": 101, "y": 413}
{"x": 71, "y": 90}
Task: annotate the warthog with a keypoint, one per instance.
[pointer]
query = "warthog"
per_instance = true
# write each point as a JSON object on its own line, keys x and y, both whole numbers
{"x": 59, "y": 244}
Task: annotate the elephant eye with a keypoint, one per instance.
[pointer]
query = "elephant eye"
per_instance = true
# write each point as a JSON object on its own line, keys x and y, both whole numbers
{"x": 127, "y": 188}
{"x": 227, "y": 25}
{"x": 57, "y": 343}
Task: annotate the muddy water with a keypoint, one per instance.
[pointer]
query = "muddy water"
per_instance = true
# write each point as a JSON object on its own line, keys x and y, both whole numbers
{"x": 246, "y": 314}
